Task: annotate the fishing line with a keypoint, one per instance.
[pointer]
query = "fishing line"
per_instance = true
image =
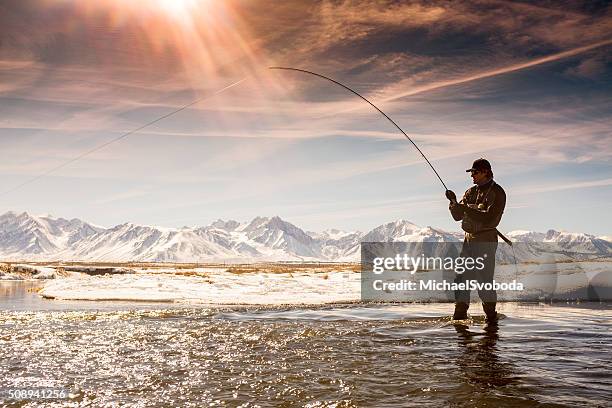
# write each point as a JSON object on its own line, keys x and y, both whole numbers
{"x": 124, "y": 135}
{"x": 375, "y": 107}
{"x": 515, "y": 264}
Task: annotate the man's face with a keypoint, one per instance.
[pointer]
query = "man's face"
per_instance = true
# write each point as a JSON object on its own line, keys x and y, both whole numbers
{"x": 478, "y": 176}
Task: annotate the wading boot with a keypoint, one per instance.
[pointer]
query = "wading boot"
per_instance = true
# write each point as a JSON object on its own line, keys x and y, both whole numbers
{"x": 460, "y": 311}
{"x": 489, "y": 309}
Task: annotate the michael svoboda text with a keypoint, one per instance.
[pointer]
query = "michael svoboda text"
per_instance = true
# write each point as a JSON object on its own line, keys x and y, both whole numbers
{"x": 444, "y": 285}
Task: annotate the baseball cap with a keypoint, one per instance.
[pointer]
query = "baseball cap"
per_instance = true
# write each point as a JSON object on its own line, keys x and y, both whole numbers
{"x": 480, "y": 164}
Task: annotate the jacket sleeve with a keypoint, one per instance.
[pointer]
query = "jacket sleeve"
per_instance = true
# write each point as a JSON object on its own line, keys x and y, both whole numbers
{"x": 493, "y": 211}
{"x": 457, "y": 210}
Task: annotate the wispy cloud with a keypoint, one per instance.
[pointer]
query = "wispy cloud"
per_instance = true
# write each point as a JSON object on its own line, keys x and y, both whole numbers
{"x": 490, "y": 73}
{"x": 137, "y": 193}
{"x": 565, "y": 186}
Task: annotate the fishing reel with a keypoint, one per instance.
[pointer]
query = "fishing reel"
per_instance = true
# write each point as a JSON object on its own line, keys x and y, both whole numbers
{"x": 480, "y": 206}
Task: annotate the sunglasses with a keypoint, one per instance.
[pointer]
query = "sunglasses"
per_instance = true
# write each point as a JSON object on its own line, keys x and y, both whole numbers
{"x": 475, "y": 171}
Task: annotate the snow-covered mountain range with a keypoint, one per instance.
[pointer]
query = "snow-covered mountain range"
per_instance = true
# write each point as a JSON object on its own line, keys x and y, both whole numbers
{"x": 28, "y": 237}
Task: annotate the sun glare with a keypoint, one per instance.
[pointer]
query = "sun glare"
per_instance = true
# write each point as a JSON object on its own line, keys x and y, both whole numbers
{"x": 199, "y": 38}
{"x": 180, "y": 8}
{"x": 202, "y": 45}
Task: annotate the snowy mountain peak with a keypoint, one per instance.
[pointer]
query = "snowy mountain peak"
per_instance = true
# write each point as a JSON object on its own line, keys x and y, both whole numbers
{"x": 526, "y": 236}
{"x": 229, "y": 225}
{"x": 255, "y": 224}
{"x": 391, "y": 231}
{"x": 333, "y": 234}
{"x": 29, "y": 234}
{"x": 565, "y": 240}
{"x": 553, "y": 235}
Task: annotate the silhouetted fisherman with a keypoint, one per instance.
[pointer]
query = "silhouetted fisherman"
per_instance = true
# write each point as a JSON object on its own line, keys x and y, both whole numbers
{"x": 480, "y": 211}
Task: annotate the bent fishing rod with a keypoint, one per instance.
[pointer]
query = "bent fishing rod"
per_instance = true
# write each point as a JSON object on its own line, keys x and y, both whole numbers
{"x": 449, "y": 194}
{"x": 372, "y": 105}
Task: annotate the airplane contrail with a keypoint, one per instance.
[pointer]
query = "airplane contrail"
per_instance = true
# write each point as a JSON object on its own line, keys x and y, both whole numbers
{"x": 498, "y": 71}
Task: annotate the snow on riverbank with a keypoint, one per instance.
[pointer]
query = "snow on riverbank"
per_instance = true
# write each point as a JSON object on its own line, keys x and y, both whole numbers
{"x": 24, "y": 271}
{"x": 565, "y": 281}
{"x": 213, "y": 288}
{"x": 27, "y": 272}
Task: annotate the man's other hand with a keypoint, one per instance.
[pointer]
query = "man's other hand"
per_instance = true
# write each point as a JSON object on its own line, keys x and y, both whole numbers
{"x": 451, "y": 196}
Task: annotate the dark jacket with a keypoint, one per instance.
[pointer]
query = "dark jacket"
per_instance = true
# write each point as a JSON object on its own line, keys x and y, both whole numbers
{"x": 493, "y": 198}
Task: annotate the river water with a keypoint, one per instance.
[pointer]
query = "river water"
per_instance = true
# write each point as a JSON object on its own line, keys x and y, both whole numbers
{"x": 383, "y": 355}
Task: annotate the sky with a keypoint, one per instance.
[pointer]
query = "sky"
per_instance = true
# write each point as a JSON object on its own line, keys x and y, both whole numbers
{"x": 527, "y": 85}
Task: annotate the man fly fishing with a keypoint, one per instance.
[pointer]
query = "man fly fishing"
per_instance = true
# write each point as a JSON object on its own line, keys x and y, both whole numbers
{"x": 480, "y": 211}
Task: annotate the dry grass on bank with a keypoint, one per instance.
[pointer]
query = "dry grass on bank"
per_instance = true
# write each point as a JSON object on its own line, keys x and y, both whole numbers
{"x": 191, "y": 269}
{"x": 281, "y": 267}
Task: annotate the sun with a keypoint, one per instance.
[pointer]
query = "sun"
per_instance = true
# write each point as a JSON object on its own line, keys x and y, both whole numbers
{"x": 180, "y": 8}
